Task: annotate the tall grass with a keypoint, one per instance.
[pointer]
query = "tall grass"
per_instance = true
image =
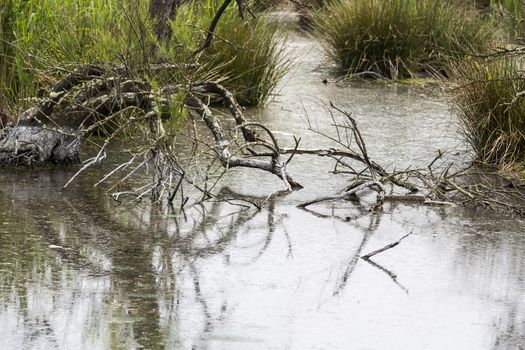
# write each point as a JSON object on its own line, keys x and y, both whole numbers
{"x": 36, "y": 35}
{"x": 510, "y": 13}
{"x": 265, "y": 5}
{"x": 401, "y": 38}
{"x": 40, "y": 37}
{"x": 491, "y": 100}
{"x": 307, "y": 10}
{"x": 514, "y": 7}
{"x": 246, "y": 55}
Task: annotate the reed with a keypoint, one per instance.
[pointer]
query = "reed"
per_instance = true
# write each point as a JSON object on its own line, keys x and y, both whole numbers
{"x": 401, "y": 38}
{"x": 247, "y": 56}
{"x": 510, "y": 14}
{"x": 39, "y": 35}
{"x": 491, "y": 102}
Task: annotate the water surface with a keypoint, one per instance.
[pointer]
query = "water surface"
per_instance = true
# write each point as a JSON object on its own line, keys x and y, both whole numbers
{"x": 80, "y": 271}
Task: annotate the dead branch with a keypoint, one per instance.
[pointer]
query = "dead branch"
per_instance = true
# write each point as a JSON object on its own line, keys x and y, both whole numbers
{"x": 222, "y": 149}
{"x": 386, "y": 247}
{"x": 110, "y": 101}
{"x": 374, "y": 185}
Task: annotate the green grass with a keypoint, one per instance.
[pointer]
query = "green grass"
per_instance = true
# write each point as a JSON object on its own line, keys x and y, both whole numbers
{"x": 265, "y": 5}
{"x": 39, "y": 35}
{"x": 246, "y": 55}
{"x": 41, "y": 38}
{"x": 492, "y": 109}
{"x": 401, "y": 38}
{"x": 510, "y": 14}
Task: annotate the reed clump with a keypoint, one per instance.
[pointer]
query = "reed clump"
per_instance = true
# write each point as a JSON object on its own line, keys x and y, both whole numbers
{"x": 401, "y": 38}
{"x": 511, "y": 14}
{"x": 39, "y": 35}
{"x": 490, "y": 97}
{"x": 307, "y": 10}
{"x": 245, "y": 54}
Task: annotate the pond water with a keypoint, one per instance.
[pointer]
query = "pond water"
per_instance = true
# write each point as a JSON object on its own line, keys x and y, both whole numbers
{"x": 78, "y": 271}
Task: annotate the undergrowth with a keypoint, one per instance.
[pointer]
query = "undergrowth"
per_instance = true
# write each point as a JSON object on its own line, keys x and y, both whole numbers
{"x": 246, "y": 55}
{"x": 37, "y": 36}
{"x": 41, "y": 39}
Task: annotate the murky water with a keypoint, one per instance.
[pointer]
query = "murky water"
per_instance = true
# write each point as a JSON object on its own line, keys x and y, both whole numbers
{"x": 78, "y": 271}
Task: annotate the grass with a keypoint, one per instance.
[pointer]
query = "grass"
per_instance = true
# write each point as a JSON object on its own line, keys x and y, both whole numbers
{"x": 265, "y": 5}
{"x": 307, "y": 10}
{"x": 401, "y": 38}
{"x": 491, "y": 102}
{"x": 245, "y": 54}
{"x": 39, "y": 38}
{"x": 510, "y": 14}
{"x": 37, "y": 35}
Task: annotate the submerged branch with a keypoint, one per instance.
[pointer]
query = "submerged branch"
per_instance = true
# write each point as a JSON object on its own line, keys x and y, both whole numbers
{"x": 374, "y": 185}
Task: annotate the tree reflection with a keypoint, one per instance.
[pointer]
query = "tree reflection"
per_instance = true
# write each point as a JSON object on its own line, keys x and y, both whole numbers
{"x": 121, "y": 275}
{"x": 76, "y": 271}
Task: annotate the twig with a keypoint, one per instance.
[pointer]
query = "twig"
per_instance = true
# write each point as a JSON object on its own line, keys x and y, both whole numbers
{"x": 388, "y": 246}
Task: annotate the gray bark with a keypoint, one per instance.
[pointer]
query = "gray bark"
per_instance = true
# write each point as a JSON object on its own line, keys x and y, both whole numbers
{"x": 161, "y": 11}
{"x": 79, "y": 104}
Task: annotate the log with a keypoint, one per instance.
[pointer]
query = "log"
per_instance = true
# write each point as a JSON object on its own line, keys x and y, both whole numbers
{"x": 75, "y": 107}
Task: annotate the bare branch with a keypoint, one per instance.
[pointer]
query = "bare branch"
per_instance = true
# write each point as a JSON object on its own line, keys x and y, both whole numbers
{"x": 386, "y": 247}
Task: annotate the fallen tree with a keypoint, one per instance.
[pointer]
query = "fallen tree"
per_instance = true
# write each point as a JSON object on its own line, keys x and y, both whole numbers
{"x": 107, "y": 100}
{"x": 84, "y": 101}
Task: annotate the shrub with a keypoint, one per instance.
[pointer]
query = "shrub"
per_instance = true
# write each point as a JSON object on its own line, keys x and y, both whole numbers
{"x": 401, "y": 38}
{"x": 491, "y": 101}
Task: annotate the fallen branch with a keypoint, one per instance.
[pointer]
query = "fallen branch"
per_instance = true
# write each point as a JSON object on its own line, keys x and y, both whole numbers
{"x": 374, "y": 185}
{"x": 222, "y": 146}
{"x": 387, "y": 247}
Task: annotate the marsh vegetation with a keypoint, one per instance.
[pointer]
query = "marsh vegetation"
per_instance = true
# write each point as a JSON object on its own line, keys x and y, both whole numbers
{"x": 402, "y": 38}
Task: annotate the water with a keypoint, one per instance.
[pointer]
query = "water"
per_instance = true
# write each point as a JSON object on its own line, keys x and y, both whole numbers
{"x": 78, "y": 271}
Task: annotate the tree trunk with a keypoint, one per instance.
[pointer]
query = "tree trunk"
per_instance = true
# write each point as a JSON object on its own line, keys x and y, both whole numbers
{"x": 161, "y": 11}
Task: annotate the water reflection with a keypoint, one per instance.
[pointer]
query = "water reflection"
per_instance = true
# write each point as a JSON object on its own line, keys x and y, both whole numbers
{"x": 78, "y": 271}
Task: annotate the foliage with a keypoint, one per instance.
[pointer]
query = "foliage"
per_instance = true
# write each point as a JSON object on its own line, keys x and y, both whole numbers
{"x": 492, "y": 108}
{"x": 401, "y": 38}
{"x": 41, "y": 38}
